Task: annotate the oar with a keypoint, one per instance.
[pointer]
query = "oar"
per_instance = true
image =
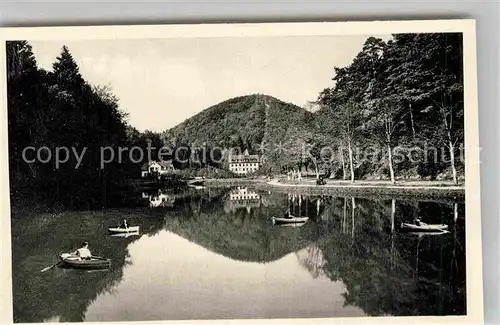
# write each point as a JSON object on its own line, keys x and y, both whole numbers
{"x": 49, "y": 267}
{"x": 99, "y": 258}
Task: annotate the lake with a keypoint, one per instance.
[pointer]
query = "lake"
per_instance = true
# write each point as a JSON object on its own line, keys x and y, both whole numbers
{"x": 213, "y": 253}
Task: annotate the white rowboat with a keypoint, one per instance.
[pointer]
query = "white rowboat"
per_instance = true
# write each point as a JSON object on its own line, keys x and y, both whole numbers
{"x": 423, "y": 227}
{"x": 290, "y": 220}
{"x": 125, "y": 234}
{"x": 293, "y": 225}
{"x": 124, "y": 230}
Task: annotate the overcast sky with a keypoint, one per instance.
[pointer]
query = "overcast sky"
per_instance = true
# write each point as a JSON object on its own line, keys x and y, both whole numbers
{"x": 162, "y": 82}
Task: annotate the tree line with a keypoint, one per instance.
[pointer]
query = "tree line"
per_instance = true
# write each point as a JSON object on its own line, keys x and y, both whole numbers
{"x": 59, "y": 108}
{"x": 406, "y": 92}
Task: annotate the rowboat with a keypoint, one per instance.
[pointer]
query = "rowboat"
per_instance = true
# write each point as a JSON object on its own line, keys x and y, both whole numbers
{"x": 198, "y": 187}
{"x": 293, "y": 225}
{"x": 423, "y": 227}
{"x": 196, "y": 181}
{"x": 125, "y": 234}
{"x": 73, "y": 261}
{"x": 428, "y": 233}
{"x": 289, "y": 220}
{"x": 124, "y": 230}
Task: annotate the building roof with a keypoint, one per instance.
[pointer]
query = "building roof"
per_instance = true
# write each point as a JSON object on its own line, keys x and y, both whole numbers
{"x": 245, "y": 157}
{"x": 144, "y": 166}
{"x": 164, "y": 163}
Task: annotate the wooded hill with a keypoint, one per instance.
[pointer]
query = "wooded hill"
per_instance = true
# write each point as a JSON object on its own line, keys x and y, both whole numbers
{"x": 258, "y": 123}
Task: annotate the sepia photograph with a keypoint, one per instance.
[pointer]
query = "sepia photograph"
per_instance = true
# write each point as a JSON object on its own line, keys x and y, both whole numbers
{"x": 243, "y": 172}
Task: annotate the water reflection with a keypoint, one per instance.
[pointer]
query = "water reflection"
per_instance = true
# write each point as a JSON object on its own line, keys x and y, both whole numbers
{"x": 186, "y": 279}
{"x": 159, "y": 198}
{"x": 242, "y": 198}
{"x": 299, "y": 205}
{"x": 210, "y": 252}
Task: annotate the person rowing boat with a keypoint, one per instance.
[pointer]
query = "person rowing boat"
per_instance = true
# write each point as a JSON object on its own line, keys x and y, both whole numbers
{"x": 419, "y": 222}
{"x": 124, "y": 224}
{"x": 81, "y": 259}
{"x": 83, "y": 252}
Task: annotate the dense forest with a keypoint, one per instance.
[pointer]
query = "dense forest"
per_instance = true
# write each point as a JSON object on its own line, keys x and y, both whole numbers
{"x": 406, "y": 93}
{"x": 56, "y": 109}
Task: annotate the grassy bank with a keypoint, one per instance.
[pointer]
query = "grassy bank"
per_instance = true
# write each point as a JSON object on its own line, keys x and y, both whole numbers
{"x": 224, "y": 182}
{"x": 421, "y": 189}
{"x": 369, "y": 191}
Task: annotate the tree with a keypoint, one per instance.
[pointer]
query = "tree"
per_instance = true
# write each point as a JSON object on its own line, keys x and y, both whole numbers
{"x": 352, "y": 84}
{"x": 444, "y": 106}
{"x": 383, "y": 124}
{"x": 406, "y": 78}
{"x": 20, "y": 59}
{"x": 386, "y": 115}
{"x": 66, "y": 70}
{"x": 23, "y": 96}
{"x": 59, "y": 109}
{"x": 350, "y": 115}
{"x": 449, "y": 116}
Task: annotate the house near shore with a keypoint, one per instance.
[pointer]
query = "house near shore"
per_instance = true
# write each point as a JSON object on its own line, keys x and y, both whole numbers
{"x": 157, "y": 168}
{"x": 244, "y": 164}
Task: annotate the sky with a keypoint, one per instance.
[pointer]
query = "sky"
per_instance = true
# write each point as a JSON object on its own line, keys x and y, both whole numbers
{"x": 162, "y": 82}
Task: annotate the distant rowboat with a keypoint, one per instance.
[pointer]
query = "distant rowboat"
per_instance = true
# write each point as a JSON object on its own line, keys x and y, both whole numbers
{"x": 293, "y": 225}
{"x": 123, "y": 230}
{"x": 424, "y": 227}
{"x": 428, "y": 233}
{"x": 289, "y": 220}
{"x": 125, "y": 234}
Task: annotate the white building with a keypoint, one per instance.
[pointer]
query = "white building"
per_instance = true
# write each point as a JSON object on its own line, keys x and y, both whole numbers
{"x": 244, "y": 164}
{"x": 160, "y": 168}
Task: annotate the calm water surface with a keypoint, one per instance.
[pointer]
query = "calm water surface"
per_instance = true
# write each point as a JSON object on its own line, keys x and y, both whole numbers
{"x": 214, "y": 254}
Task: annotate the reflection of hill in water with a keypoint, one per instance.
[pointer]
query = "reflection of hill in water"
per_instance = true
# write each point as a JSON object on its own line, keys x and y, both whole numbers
{"x": 312, "y": 259}
{"x": 192, "y": 282}
{"x": 239, "y": 234}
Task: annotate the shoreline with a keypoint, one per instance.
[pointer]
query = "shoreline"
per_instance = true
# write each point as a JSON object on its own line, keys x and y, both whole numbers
{"x": 405, "y": 188}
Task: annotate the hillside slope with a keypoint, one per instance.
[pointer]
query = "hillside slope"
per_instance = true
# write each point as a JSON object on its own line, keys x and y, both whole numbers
{"x": 246, "y": 122}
